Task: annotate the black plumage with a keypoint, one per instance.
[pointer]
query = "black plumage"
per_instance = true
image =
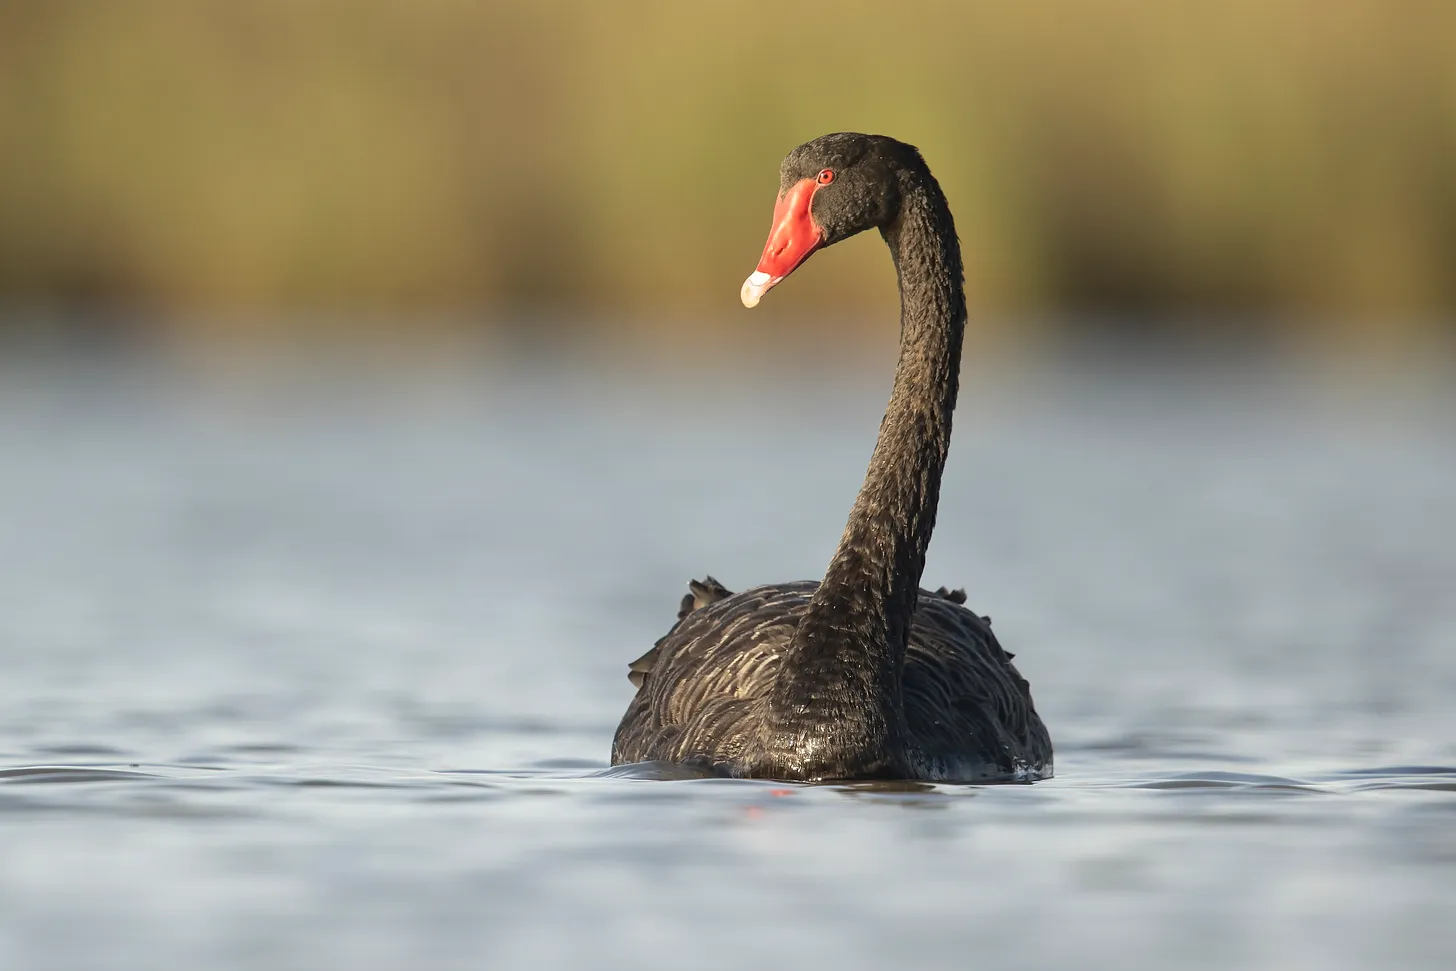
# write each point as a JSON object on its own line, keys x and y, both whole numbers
{"x": 862, "y": 674}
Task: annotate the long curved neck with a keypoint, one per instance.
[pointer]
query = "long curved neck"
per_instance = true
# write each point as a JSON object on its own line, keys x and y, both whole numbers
{"x": 882, "y": 552}
{"x": 848, "y": 649}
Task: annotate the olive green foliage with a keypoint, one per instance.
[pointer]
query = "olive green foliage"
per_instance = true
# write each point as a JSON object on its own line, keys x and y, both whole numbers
{"x": 1281, "y": 158}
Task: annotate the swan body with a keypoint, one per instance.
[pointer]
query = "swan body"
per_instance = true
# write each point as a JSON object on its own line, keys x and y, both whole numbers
{"x": 968, "y": 713}
{"x": 860, "y": 675}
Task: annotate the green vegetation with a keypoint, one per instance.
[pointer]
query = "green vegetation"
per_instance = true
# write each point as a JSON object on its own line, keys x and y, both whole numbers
{"x": 1287, "y": 158}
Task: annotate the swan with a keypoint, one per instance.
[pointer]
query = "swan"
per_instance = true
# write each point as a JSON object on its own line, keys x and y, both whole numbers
{"x": 860, "y": 675}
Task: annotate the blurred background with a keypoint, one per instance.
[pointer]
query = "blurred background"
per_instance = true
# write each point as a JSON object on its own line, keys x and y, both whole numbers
{"x": 373, "y": 378}
{"x": 201, "y": 166}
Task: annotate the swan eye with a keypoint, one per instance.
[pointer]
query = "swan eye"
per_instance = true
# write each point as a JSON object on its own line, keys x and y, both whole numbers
{"x": 826, "y": 176}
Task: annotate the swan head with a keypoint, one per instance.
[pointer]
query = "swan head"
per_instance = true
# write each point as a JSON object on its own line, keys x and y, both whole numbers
{"x": 829, "y": 190}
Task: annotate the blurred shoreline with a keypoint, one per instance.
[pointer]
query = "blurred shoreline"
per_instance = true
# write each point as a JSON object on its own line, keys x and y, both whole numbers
{"x": 211, "y": 164}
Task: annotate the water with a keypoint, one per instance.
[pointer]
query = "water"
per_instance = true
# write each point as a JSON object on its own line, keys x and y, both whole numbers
{"x": 316, "y": 669}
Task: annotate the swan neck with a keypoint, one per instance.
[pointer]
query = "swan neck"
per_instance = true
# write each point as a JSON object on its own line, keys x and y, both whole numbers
{"x": 881, "y": 555}
{"x": 843, "y": 664}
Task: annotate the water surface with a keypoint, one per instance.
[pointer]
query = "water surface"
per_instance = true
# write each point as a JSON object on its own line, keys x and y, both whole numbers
{"x": 319, "y": 668}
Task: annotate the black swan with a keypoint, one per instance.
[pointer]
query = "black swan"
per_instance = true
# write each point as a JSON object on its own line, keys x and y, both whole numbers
{"x": 861, "y": 675}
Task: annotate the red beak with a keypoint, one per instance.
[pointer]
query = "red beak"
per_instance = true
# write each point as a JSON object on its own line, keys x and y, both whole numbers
{"x": 792, "y": 237}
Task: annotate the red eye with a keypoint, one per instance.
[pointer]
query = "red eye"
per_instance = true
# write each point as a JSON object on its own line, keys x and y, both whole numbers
{"x": 826, "y": 176}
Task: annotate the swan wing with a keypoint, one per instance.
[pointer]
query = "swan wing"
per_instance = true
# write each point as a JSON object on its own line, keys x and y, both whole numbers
{"x": 968, "y": 710}
{"x": 699, "y": 685}
{"x": 700, "y": 594}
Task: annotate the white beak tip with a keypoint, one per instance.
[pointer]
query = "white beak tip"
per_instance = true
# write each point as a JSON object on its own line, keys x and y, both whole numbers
{"x": 754, "y": 288}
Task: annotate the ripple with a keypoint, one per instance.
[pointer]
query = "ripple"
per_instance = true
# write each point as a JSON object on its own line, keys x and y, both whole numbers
{"x": 1240, "y": 781}
{"x": 1400, "y": 771}
{"x": 559, "y": 764}
{"x": 47, "y": 774}
{"x": 80, "y": 750}
{"x": 657, "y": 771}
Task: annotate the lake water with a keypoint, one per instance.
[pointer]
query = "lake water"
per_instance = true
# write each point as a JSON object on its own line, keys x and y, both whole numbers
{"x": 309, "y": 667}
